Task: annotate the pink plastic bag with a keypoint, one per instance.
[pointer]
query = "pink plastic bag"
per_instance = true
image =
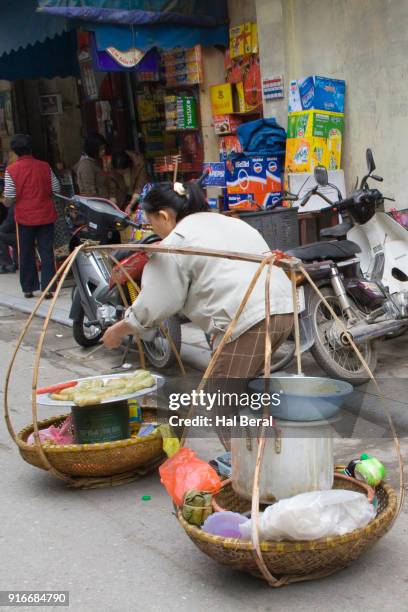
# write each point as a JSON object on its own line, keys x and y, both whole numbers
{"x": 401, "y": 217}
{"x": 184, "y": 471}
{"x": 57, "y": 435}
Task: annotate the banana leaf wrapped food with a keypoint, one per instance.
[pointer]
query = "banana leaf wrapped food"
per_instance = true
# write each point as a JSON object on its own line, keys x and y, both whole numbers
{"x": 94, "y": 391}
{"x": 197, "y": 506}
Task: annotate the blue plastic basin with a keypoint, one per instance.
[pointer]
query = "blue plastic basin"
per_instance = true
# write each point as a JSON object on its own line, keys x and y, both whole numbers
{"x": 304, "y": 398}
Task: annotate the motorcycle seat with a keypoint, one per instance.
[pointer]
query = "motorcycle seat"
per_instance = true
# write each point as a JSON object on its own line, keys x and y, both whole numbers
{"x": 329, "y": 249}
{"x": 121, "y": 254}
{"x": 337, "y": 231}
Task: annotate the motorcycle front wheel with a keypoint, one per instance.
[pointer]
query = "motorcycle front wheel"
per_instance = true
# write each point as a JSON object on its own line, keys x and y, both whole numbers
{"x": 84, "y": 335}
{"x": 158, "y": 351}
{"x": 336, "y": 360}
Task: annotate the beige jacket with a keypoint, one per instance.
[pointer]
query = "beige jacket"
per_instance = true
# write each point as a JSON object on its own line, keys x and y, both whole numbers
{"x": 207, "y": 290}
{"x": 92, "y": 182}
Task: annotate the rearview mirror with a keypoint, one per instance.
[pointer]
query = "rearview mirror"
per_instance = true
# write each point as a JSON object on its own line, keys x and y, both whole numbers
{"x": 321, "y": 176}
{"x": 370, "y": 161}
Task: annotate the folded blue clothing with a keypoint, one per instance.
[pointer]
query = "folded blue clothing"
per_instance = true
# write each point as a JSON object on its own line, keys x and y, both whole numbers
{"x": 263, "y": 136}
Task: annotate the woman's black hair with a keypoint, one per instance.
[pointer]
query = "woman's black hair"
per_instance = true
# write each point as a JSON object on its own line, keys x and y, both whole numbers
{"x": 163, "y": 195}
{"x": 92, "y": 144}
{"x": 121, "y": 160}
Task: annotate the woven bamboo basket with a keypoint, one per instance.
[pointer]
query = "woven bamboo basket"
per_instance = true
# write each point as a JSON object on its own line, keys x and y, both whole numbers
{"x": 295, "y": 561}
{"x": 92, "y": 460}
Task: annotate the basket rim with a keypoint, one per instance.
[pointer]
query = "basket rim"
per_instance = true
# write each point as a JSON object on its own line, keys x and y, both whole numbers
{"x": 22, "y": 435}
{"x": 284, "y": 546}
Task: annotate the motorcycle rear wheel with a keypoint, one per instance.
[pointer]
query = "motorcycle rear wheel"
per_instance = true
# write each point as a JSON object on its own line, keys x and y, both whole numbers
{"x": 158, "y": 351}
{"x": 335, "y": 359}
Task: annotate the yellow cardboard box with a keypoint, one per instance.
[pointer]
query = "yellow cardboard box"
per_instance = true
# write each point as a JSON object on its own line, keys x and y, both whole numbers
{"x": 242, "y": 106}
{"x": 243, "y": 39}
{"x": 251, "y": 38}
{"x": 334, "y": 153}
{"x": 221, "y": 99}
{"x": 304, "y": 154}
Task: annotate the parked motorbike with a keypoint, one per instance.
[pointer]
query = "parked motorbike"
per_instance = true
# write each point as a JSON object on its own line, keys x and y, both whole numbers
{"x": 97, "y": 303}
{"x": 365, "y": 281}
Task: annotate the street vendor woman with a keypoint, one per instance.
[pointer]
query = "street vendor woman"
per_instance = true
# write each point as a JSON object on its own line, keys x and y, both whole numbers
{"x": 208, "y": 290}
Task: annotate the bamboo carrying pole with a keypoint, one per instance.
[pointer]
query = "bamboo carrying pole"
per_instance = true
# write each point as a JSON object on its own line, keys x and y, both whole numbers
{"x": 126, "y": 305}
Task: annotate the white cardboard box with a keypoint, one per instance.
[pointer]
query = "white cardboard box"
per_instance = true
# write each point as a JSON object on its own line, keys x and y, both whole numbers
{"x": 302, "y": 182}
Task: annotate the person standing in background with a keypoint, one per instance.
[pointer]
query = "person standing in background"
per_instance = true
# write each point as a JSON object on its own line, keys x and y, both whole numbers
{"x": 8, "y": 239}
{"x": 90, "y": 178}
{"x": 128, "y": 177}
{"x": 29, "y": 185}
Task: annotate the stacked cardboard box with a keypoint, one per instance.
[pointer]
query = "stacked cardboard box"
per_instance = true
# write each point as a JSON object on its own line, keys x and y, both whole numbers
{"x": 183, "y": 66}
{"x": 315, "y": 124}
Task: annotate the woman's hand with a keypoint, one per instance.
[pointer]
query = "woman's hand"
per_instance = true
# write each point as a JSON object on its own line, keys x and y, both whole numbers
{"x": 114, "y": 335}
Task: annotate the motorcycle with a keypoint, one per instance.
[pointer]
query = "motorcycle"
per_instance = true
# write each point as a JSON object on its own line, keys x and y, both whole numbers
{"x": 97, "y": 302}
{"x": 365, "y": 281}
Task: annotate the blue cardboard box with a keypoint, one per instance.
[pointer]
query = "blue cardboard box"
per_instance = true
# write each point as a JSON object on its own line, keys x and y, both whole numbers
{"x": 317, "y": 93}
{"x": 216, "y": 174}
{"x": 258, "y": 176}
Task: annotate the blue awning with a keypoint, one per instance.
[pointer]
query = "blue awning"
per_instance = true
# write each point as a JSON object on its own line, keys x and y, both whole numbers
{"x": 144, "y": 24}
{"x": 52, "y": 58}
{"x": 141, "y": 11}
{"x": 21, "y": 25}
{"x": 126, "y": 16}
{"x": 146, "y": 37}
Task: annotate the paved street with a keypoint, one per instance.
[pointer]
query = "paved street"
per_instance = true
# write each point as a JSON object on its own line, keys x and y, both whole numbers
{"x": 115, "y": 552}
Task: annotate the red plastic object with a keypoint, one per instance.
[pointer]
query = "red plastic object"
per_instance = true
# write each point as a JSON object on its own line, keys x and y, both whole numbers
{"x": 185, "y": 471}
{"x": 57, "y": 387}
{"x": 133, "y": 265}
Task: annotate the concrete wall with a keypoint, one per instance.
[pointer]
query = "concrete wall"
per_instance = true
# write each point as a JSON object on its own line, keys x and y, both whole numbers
{"x": 64, "y": 130}
{"x": 366, "y": 43}
{"x": 240, "y": 11}
{"x": 213, "y": 63}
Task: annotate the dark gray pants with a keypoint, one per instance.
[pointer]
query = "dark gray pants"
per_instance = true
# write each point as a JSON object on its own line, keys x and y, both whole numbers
{"x": 6, "y": 241}
{"x": 30, "y": 237}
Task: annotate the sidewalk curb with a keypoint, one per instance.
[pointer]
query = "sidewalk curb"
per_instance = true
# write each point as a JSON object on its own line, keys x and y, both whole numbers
{"x": 194, "y": 356}
{"x": 26, "y": 305}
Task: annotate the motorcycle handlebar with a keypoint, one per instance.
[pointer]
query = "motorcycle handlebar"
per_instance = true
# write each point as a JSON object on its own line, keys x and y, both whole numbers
{"x": 309, "y": 194}
{"x": 343, "y": 204}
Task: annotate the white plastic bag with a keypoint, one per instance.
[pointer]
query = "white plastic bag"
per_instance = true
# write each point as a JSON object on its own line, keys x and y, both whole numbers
{"x": 313, "y": 515}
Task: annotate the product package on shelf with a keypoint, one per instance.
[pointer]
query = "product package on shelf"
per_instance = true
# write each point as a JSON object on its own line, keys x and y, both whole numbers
{"x": 180, "y": 112}
{"x": 226, "y": 124}
{"x": 322, "y": 124}
{"x": 242, "y": 96}
{"x": 243, "y": 39}
{"x": 183, "y": 66}
{"x": 316, "y": 92}
{"x": 221, "y": 99}
{"x": 258, "y": 176}
{"x": 304, "y": 154}
{"x": 228, "y": 145}
{"x": 242, "y": 201}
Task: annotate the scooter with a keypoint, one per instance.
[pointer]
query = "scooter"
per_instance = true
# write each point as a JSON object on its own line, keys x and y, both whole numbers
{"x": 369, "y": 296}
{"x": 382, "y": 240}
{"x": 97, "y": 303}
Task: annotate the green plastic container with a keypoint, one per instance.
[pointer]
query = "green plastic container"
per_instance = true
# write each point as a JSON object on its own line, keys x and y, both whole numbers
{"x": 101, "y": 423}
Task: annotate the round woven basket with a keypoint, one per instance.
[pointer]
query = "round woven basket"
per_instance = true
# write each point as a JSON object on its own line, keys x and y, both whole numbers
{"x": 92, "y": 460}
{"x": 295, "y": 561}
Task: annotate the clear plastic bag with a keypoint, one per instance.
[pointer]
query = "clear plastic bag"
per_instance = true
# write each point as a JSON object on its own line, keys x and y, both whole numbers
{"x": 313, "y": 515}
